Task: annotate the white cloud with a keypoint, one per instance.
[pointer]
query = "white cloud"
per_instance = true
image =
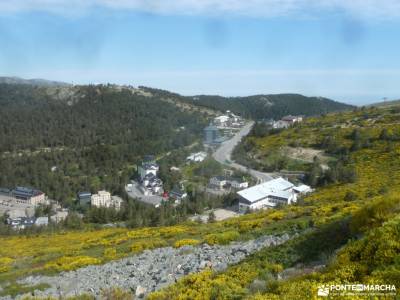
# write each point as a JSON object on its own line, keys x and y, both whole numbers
{"x": 375, "y": 9}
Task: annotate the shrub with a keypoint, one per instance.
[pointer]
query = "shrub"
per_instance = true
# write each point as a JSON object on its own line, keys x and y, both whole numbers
{"x": 116, "y": 294}
{"x": 140, "y": 246}
{"x": 186, "y": 242}
{"x": 71, "y": 263}
{"x": 110, "y": 253}
{"x": 221, "y": 238}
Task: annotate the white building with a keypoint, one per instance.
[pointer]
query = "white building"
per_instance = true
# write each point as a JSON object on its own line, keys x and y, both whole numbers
{"x": 221, "y": 120}
{"x": 292, "y": 119}
{"x": 104, "y": 199}
{"x": 197, "y": 157}
{"x": 148, "y": 168}
{"x": 116, "y": 202}
{"x": 269, "y": 194}
{"x": 218, "y": 181}
{"x": 280, "y": 124}
{"x": 101, "y": 199}
{"x": 150, "y": 184}
{"x": 238, "y": 183}
{"x": 228, "y": 120}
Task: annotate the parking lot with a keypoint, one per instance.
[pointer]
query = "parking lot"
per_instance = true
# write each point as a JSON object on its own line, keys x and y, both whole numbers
{"x": 9, "y": 204}
{"x": 135, "y": 193}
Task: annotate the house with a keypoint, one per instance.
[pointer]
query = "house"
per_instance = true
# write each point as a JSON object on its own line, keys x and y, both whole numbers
{"x": 238, "y": 183}
{"x": 29, "y": 196}
{"x": 197, "y": 157}
{"x": 177, "y": 194}
{"x": 280, "y": 124}
{"x": 292, "y": 119}
{"x": 218, "y": 182}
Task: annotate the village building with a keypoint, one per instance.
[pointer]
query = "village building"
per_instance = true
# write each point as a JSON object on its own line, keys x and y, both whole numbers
{"x": 280, "y": 124}
{"x": 148, "y": 168}
{"x": 229, "y": 119}
{"x": 221, "y": 182}
{"x": 292, "y": 119}
{"x": 197, "y": 157}
{"x": 28, "y": 196}
{"x": 238, "y": 183}
{"x": 218, "y": 182}
{"x": 150, "y": 184}
{"x": 104, "y": 199}
{"x": 178, "y": 194}
{"x": 269, "y": 194}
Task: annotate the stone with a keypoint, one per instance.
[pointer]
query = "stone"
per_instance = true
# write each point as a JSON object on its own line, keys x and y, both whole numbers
{"x": 140, "y": 291}
{"x": 152, "y": 269}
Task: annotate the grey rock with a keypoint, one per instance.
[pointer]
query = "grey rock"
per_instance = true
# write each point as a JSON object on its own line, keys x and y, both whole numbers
{"x": 150, "y": 270}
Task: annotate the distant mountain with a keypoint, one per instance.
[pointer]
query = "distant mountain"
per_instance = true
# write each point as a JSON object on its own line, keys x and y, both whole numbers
{"x": 386, "y": 103}
{"x": 35, "y": 82}
{"x": 271, "y": 106}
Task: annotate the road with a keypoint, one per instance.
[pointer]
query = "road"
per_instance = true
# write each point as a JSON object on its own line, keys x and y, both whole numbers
{"x": 223, "y": 155}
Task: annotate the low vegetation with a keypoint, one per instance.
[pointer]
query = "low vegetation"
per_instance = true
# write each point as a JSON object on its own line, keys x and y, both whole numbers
{"x": 354, "y": 228}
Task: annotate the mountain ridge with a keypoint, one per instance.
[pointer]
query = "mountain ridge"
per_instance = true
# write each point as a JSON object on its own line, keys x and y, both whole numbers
{"x": 33, "y": 81}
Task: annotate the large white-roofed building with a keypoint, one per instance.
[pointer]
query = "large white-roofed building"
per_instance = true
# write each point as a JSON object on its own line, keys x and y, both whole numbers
{"x": 267, "y": 195}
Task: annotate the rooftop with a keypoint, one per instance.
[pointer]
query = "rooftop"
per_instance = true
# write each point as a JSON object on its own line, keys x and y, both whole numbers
{"x": 30, "y": 192}
{"x": 278, "y": 187}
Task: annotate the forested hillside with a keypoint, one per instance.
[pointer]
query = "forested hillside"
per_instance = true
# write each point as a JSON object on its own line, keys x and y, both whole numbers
{"x": 90, "y": 136}
{"x": 271, "y": 106}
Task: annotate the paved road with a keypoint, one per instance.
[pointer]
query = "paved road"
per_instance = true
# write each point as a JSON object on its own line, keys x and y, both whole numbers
{"x": 223, "y": 155}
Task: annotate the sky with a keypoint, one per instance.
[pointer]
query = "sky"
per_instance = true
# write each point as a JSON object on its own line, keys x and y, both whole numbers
{"x": 340, "y": 49}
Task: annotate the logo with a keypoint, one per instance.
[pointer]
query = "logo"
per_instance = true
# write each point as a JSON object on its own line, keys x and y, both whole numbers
{"x": 323, "y": 291}
{"x": 356, "y": 290}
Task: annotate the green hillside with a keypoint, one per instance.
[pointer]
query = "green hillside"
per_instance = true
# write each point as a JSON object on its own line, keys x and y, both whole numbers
{"x": 271, "y": 106}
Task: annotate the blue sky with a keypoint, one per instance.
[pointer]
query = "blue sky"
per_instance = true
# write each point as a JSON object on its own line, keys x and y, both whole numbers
{"x": 348, "y": 51}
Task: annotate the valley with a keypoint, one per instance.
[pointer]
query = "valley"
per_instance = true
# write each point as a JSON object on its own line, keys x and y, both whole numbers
{"x": 349, "y": 158}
